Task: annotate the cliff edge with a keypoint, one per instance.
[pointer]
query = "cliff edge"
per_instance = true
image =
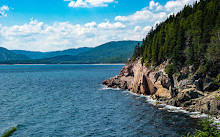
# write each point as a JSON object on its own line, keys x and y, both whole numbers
{"x": 191, "y": 91}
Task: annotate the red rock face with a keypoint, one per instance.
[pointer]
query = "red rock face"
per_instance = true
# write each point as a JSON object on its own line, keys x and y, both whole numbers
{"x": 138, "y": 79}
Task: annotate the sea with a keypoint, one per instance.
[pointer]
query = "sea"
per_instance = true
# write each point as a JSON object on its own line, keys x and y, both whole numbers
{"x": 70, "y": 101}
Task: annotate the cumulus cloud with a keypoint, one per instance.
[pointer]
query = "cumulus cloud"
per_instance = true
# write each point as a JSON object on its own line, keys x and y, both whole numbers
{"x": 147, "y": 28}
{"x": 177, "y": 5}
{"x": 155, "y": 12}
{"x": 3, "y": 9}
{"x": 153, "y": 4}
{"x": 90, "y": 24}
{"x": 142, "y": 16}
{"x": 137, "y": 28}
{"x": 89, "y": 3}
{"x": 39, "y": 36}
{"x": 107, "y": 25}
{"x": 171, "y": 6}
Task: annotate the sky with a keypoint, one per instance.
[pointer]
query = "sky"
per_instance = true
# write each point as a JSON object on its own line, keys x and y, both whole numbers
{"x": 51, "y": 25}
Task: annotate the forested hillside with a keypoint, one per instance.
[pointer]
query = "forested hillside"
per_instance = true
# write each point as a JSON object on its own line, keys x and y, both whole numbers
{"x": 111, "y": 52}
{"x": 30, "y": 54}
{"x": 41, "y": 55}
{"x": 189, "y": 38}
{"x": 7, "y": 55}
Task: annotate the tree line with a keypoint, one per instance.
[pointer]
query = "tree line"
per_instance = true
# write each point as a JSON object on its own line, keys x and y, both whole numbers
{"x": 191, "y": 37}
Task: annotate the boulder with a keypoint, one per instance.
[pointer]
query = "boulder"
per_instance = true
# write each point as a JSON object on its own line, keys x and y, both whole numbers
{"x": 208, "y": 104}
{"x": 183, "y": 84}
{"x": 197, "y": 76}
{"x": 183, "y": 97}
{"x": 203, "y": 83}
{"x": 161, "y": 93}
{"x": 199, "y": 84}
{"x": 166, "y": 83}
{"x": 209, "y": 85}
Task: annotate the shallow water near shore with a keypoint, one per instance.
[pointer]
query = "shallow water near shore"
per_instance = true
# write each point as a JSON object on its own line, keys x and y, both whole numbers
{"x": 69, "y": 100}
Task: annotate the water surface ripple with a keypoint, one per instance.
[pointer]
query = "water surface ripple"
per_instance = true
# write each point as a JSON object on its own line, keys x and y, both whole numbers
{"x": 68, "y": 100}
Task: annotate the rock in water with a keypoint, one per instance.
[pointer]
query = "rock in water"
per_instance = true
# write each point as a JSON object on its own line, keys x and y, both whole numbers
{"x": 187, "y": 93}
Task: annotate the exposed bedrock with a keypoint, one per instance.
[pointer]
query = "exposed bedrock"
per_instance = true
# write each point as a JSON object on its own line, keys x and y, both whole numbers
{"x": 178, "y": 91}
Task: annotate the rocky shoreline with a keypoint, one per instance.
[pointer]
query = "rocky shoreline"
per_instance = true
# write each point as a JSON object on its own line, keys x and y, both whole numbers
{"x": 192, "y": 91}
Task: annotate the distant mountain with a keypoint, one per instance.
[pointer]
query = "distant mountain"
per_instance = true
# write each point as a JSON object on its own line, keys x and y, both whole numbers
{"x": 111, "y": 52}
{"x": 41, "y": 55}
{"x": 7, "y": 55}
{"x": 71, "y": 52}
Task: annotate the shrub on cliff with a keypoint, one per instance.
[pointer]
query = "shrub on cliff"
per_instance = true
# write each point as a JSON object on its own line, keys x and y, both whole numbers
{"x": 209, "y": 130}
{"x": 170, "y": 69}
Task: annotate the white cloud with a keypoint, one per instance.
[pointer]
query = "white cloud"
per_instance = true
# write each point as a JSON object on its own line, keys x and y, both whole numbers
{"x": 153, "y": 4}
{"x": 142, "y": 16}
{"x": 155, "y": 13}
{"x": 3, "y": 9}
{"x": 137, "y": 28}
{"x": 90, "y": 24}
{"x": 107, "y": 25}
{"x": 171, "y": 6}
{"x": 176, "y": 5}
{"x": 159, "y": 8}
{"x": 147, "y": 28}
{"x": 78, "y": 3}
{"x": 89, "y": 3}
{"x": 39, "y": 36}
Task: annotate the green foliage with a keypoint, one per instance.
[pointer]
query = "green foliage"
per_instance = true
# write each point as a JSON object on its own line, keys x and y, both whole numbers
{"x": 204, "y": 67}
{"x": 41, "y": 55}
{"x": 107, "y": 52}
{"x": 218, "y": 77}
{"x": 147, "y": 65}
{"x": 7, "y": 55}
{"x": 209, "y": 130}
{"x": 217, "y": 97}
{"x": 9, "y": 133}
{"x": 191, "y": 37}
{"x": 137, "y": 52}
{"x": 213, "y": 53}
{"x": 111, "y": 52}
{"x": 170, "y": 69}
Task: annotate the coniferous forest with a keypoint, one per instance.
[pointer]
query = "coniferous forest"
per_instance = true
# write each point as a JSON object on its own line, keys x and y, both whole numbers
{"x": 189, "y": 38}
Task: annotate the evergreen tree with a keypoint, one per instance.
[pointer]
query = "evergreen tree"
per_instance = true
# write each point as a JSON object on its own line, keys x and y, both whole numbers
{"x": 136, "y": 51}
{"x": 187, "y": 38}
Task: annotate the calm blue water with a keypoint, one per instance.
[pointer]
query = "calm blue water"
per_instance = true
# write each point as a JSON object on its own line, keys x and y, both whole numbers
{"x": 68, "y": 100}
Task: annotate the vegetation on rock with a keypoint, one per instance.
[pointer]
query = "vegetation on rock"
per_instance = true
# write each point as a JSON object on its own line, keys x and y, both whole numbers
{"x": 209, "y": 130}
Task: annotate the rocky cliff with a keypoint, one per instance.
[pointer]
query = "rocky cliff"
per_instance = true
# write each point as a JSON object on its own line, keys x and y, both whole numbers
{"x": 192, "y": 91}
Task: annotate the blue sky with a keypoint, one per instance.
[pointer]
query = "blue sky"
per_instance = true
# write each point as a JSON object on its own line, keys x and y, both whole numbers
{"x": 49, "y": 25}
